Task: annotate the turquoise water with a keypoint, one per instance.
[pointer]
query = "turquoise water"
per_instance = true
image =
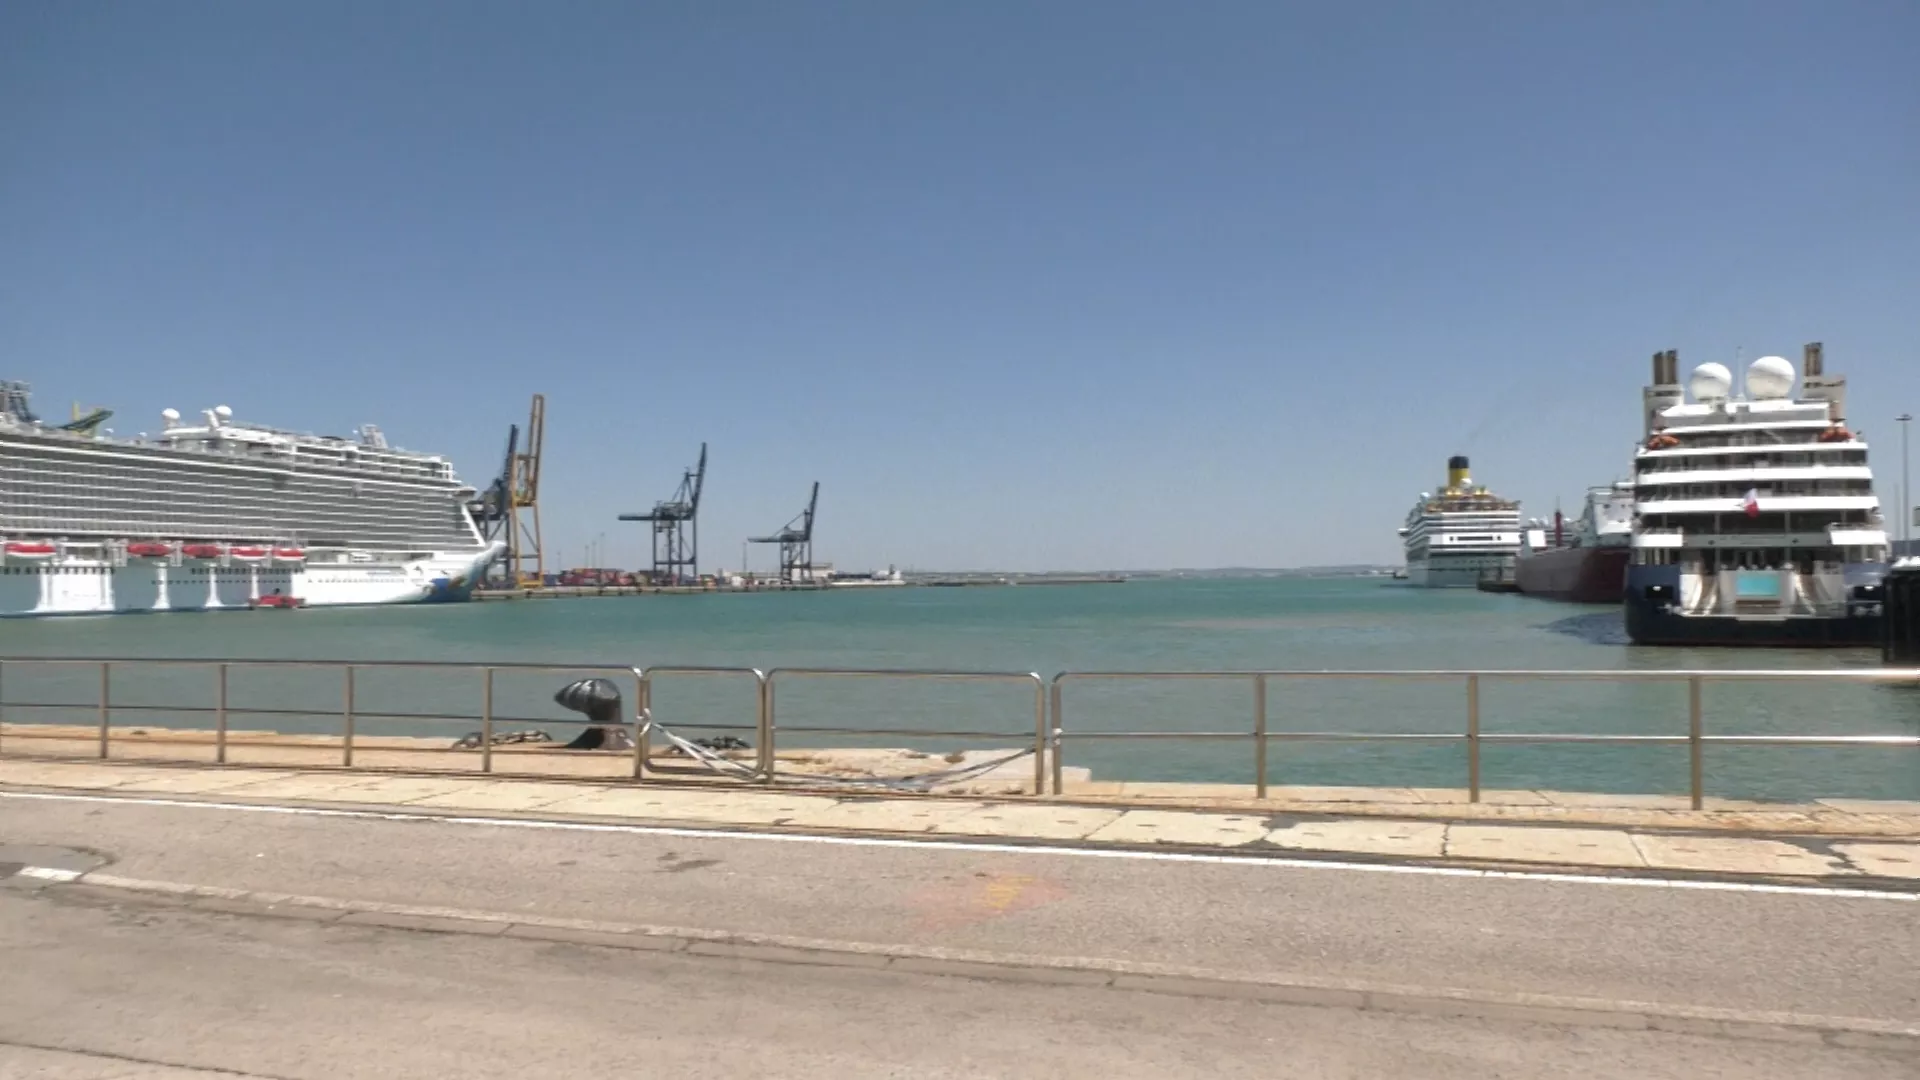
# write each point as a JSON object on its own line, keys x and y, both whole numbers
{"x": 1210, "y": 624}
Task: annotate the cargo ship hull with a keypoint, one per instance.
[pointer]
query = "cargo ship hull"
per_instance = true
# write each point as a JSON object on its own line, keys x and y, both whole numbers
{"x": 1582, "y": 575}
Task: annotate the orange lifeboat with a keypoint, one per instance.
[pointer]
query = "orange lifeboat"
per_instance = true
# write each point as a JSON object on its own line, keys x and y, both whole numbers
{"x": 1836, "y": 433}
{"x": 202, "y": 551}
{"x": 289, "y": 554}
{"x": 1662, "y": 441}
{"x": 26, "y": 549}
{"x": 248, "y": 554}
{"x": 147, "y": 549}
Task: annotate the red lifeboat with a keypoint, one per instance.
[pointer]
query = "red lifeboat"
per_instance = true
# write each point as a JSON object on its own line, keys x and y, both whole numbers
{"x": 248, "y": 554}
{"x": 289, "y": 554}
{"x": 201, "y": 551}
{"x": 147, "y": 549}
{"x": 26, "y": 549}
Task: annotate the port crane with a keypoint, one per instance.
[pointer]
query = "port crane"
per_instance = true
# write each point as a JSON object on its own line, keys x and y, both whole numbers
{"x": 509, "y": 510}
{"x": 796, "y": 543}
{"x": 676, "y": 528}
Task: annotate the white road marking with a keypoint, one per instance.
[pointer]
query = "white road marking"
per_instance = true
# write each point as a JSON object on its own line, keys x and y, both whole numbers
{"x": 48, "y": 873}
{"x": 1275, "y": 861}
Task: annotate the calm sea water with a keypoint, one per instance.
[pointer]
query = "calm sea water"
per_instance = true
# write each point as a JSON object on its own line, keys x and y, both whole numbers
{"x": 1144, "y": 625}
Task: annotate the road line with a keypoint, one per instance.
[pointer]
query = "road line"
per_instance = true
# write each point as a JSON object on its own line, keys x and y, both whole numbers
{"x": 1272, "y": 861}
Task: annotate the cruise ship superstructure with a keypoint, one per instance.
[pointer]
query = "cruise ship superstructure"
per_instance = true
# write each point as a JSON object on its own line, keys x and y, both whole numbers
{"x": 1464, "y": 531}
{"x": 223, "y": 514}
{"x": 1755, "y": 517}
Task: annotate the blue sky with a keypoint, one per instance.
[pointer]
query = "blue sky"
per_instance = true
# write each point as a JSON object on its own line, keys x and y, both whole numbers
{"x": 1056, "y": 285}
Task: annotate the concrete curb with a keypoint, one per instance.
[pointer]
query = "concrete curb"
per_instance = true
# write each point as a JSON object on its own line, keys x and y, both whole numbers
{"x": 1856, "y": 1032}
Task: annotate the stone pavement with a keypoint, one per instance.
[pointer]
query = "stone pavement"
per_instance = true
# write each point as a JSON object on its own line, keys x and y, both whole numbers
{"x": 1868, "y": 842}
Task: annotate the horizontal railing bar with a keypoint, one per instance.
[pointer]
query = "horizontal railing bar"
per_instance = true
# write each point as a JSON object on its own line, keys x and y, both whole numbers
{"x": 1080, "y": 736}
{"x": 905, "y": 673}
{"x": 1559, "y": 737}
{"x": 695, "y": 670}
{"x": 1814, "y": 740}
{"x": 1366, "y": 736}
{"x": 1017, "y": 736}
{"x": 448, "y": 665}
{"x": 1625, "y": 675}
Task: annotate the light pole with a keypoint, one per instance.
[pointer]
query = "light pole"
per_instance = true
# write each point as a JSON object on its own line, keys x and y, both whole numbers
{"x": 1906, "y": 474}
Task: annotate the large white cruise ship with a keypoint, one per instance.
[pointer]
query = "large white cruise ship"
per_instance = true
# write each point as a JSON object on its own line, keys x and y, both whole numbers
{"x": 1454, "y": 537}
{"x": 1756, "y": 521}
{"x": 222, "y": 514}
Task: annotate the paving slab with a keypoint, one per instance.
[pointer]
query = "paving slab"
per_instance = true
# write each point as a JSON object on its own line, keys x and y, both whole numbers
{"x": 887, "y": 815}
{"x": 1611, "y": 799}
{"x": 506, "y": 795}
{"x": 1734, "y": 855}
{"x": 1181, "y": 827}
{"x": 321, "y": 787}
{"x": 1034, "y": 822}
{"x": 201, "y": 781}
{"x": 1884, "y": 860}
{"x": 1873, "y": 806}
{"x": 390, "y": 789}
{"x": 1567, "y": 847}
{"x": 1395, "y": 796}
{"x": 88, "y": 775}
{"x": 1501, "y": 797}
{"x": 721, "y": 807}
{"x": 1408, "y": 839}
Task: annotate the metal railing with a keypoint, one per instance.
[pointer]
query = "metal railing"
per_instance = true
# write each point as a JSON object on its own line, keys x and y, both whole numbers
{"x": 1695, "y": 739}
{"x": 351, "y": 712}
{"x": 1048, "y": 739}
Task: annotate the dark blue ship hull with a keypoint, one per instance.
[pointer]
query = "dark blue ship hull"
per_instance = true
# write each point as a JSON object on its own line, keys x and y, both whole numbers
{"x": 1652, "y": 618}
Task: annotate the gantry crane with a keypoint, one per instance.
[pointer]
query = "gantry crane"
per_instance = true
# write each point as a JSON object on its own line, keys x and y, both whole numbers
{"x": 796, "y": 543}
{"x": 676, "y": 528}
{"x": 509, "y": 510}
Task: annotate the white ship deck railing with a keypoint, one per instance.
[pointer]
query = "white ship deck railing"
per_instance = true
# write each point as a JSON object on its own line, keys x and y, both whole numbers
{"x": 1043, "y": 725}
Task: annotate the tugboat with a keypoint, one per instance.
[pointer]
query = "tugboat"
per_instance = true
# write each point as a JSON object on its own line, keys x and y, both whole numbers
{"x": 1755, "y": 517}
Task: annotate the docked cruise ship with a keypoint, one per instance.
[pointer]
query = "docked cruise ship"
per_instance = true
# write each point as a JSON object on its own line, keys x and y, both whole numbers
{"x": 1455, "y": 537}
{"x": 223, "y": 514}
{"x": 1756, "y": 521}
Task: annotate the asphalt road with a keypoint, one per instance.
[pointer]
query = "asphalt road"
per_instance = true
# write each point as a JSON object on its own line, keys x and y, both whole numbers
{"x": 98, "y": 989}
{"x": 1821, "y": 955}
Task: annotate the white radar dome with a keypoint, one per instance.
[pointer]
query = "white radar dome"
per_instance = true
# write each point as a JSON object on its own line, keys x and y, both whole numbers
{"x": 1770, "y": 378}
{"x": 170, "y": 415}
{"x": 1710, "y": 382}
{"x": 225, "y": 413}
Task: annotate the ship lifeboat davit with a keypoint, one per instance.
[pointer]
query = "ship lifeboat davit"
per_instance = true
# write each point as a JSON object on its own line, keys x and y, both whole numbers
{"x": 25, "y": 549}
{"x": 201, "y": 551}
{"x": 289, "y": 555}
{"x": 248, "y": 554}
{"x": 149, "y": 550}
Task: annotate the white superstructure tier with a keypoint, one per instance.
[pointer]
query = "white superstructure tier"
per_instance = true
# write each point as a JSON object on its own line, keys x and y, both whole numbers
{"x": 1461, "y": 534}
{"x": 221, "y": 514}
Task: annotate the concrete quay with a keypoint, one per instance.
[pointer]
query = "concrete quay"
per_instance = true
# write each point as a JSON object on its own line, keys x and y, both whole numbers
{"x": 1861, "y": 845}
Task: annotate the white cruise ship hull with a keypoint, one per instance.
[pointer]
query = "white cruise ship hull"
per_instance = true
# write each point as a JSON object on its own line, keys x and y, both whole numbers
{"x": 91, "y": 586}
{"x": 1455, "y": 571}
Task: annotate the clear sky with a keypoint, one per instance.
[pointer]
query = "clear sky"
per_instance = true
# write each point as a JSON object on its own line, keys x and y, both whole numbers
{"x": 1027, "y": 285}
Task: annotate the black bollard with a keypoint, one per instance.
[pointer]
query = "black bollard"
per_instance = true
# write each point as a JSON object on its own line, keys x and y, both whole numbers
{"x": 599, "y": 699}
{"x": 1900, "y": 616}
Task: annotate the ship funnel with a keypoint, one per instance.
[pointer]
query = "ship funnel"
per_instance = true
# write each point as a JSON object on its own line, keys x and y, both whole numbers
{"x": 1813, "y": 363}
{"x": 1458, "y": 479}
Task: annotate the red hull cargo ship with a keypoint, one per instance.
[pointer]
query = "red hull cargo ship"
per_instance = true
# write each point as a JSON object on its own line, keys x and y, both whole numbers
{"x": 1586, "y": 564}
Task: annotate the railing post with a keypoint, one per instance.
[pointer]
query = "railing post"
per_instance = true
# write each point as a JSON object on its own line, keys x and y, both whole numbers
{"x": 1473, "y": 738}
{"x": 486, "y": 720}
{"x": 765, "y": 723}
{"x": 220, "y": 717}
{"x": 642, "y": 720}
{"x": 106, "y": 709}
{"x": 1039, "y": 735}
{"x": 1055, "y": 738}
{"x": 1696, "y": 785}
{"x": 346, "y": 721}
{"x": 1260, "y": 736}
{"x": 3, "y": 699}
